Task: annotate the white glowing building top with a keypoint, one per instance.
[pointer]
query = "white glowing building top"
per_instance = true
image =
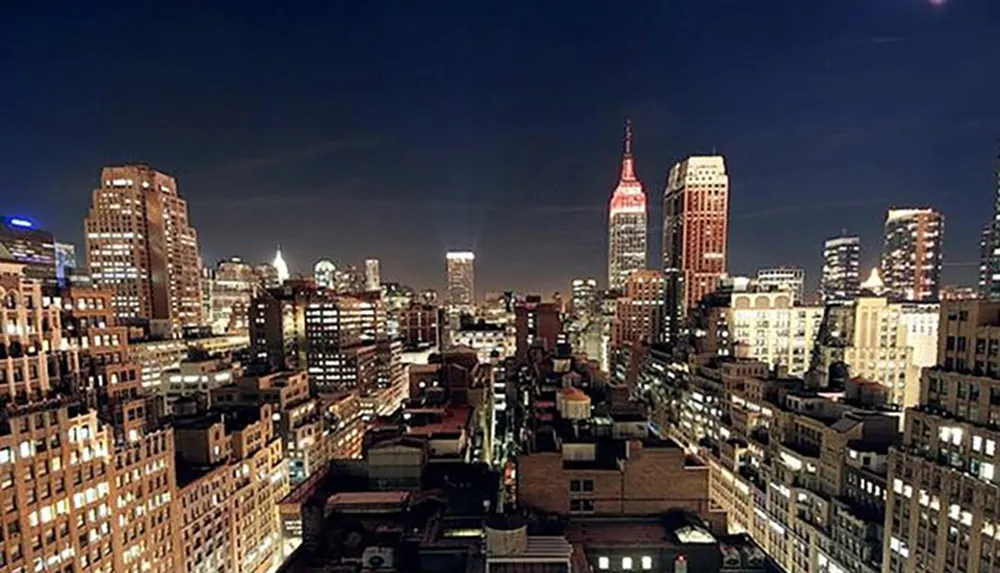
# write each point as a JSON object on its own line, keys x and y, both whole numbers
{"x": 281, "y": 267}
{"x": 626, "y": 221}
{"x": 873, "y": 283}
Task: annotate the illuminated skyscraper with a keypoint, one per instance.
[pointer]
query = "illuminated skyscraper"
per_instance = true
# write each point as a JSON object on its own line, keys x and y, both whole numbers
{"x": 22, "y": 242}
{"x": 911, "y": 254}
{"x": 841, "y": 275}
{"x": 695, "y": 230}
{"x": 989, "y": 250}
{"x": 585, "y": 296}
{"x": 626, "y": 221}
{"x": 461, "y": 278}
{"x": 373, "y": 279}
{"x": 324, "y": 273}
{"x": 141, "y": 247}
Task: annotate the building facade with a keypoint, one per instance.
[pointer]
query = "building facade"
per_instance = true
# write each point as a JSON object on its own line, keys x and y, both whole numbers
{"x": 789, "y": 279}
{"x": 22, "y": 242}
{"x": 639, "y": 313}
{"x": 627, "y": 225}
{"x": 841, "y": 268}
{"x": 586, "y": 297}
{"x": 774, "y": 329}
{"x": 912, "y": 253}
{"x": 695, "y": 234}
{"x": 941, "y": 510}
{"x": 373, "y": 277}
{"x": 890, "y": 342}
{"x": 536, "y": 323}
{"x": 234, "y": 286}
{"x": 140, "y": 246}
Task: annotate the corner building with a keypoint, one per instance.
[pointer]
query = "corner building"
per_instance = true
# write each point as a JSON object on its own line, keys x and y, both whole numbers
{"x": 141, "y": 246}
{"x": 942, "y": 506}
{"x": 86, "y": 474}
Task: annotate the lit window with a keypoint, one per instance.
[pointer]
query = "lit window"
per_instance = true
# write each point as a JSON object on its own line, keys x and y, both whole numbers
{"x": 647, "y": 562}
{"x": 603, "y": 563}
{"x": 626, "y": 563}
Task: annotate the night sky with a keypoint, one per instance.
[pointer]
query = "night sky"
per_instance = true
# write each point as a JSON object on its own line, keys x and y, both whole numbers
{"x": 401, "y": 129}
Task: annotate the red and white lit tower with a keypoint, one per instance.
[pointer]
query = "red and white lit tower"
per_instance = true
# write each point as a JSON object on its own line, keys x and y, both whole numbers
{"x": 626, "y": 222}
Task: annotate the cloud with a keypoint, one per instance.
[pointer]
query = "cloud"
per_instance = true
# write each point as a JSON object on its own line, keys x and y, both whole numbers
{"x": 883, "y": 40}
{"x": 285, "y": 157}
{"x": 793, "y": 209}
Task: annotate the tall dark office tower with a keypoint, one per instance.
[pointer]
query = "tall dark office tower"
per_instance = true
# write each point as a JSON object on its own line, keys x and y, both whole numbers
{"x": 626, "y": 222}
{"x": 461, "y": 270}
{"x": 841, "y": 268}
{"x": 695, "y": 235}
{"x": 912, "y": 252}
{"x": 989, "y": 250}
{"x": 141, "y": 246}
{"x": 985, "y": 262}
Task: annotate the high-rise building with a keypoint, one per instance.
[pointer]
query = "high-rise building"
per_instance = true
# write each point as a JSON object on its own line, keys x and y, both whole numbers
{"x": 695, "y": 231}
{"x": 626, "y": 221}
{"x": 912, "y": 252}
{"x": 88, "y": 474}
{"x": 841, "y": 268}
{"x": 985, "y": 283}
{"x": 373, "y": 279}
{"x": 461, "y": 278}
{"x": 941, "y": 507}
{"x": 277, "y": 325}
{"x": 34, "y": 248}
{"x": 536, "y": 324}
{"x": 340, "y": 343}
{"x": 325, "y": 273}
{"x": 889, "y": 342}
{"x": 784, "y": 278}
{"x": 989, "y": 249}
{"x": 420, "y": 325}
{"x": 585, "y": 296}
{"x": 142, "y": 248}
{"x": 65, "y": 260}
{"x": 639, "y": 313}
{"x": 233, "y": 287}
{"x": 281, "y": 267}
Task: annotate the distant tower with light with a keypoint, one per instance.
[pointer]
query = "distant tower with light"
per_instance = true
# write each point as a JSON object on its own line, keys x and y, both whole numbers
{"x": 626, "y": 221}
{"x": 461, "y": 271}
{"x": 280, "y": 266}
{"x": 841, "y": 268}
{"x": 373, "y": 278}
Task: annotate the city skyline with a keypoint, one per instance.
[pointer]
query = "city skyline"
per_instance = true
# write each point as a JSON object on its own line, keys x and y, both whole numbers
{"x": 844, "y": 137}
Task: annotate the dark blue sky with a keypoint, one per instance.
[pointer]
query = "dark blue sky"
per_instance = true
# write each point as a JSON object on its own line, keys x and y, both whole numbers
{"x": 400, "y": 129}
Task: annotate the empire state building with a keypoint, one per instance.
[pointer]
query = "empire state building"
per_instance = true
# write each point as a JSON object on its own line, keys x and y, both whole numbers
{"x": 626, "y": 222}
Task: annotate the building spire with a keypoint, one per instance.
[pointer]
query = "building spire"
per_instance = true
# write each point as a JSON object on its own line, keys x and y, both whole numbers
{"x": 628, "y": 137}
{"x": 628, "y": 163}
